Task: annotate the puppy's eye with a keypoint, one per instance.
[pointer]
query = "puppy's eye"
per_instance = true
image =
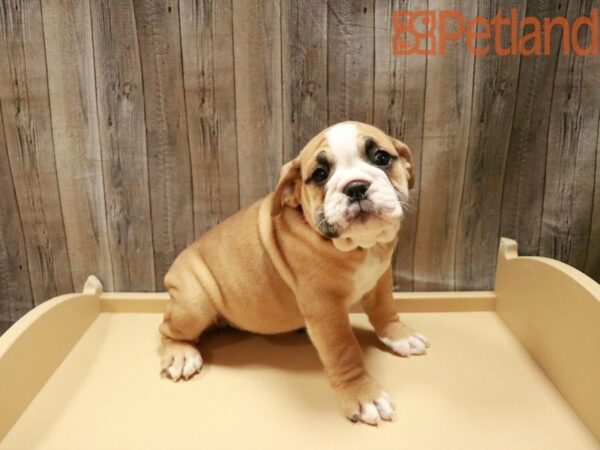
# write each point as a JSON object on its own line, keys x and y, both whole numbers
{"x": 320, "y": 175}
{"x": 381, "y": 158}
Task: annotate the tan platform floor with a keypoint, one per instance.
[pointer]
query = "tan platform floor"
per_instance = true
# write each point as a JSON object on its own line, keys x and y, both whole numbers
{"x": 476, "y": 389}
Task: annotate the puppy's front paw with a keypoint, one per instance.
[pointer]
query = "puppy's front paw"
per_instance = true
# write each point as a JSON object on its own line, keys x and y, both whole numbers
{"x": 180, "y": 360}
{"x": 414, "y": 344}
{"x": 364, "y": 401}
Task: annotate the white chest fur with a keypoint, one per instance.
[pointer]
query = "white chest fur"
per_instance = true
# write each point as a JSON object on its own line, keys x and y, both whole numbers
{"x": 368, "y": 274}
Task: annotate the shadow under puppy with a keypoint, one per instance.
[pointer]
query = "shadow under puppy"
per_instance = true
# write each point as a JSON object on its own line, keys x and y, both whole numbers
{"x": 301, "y": 257}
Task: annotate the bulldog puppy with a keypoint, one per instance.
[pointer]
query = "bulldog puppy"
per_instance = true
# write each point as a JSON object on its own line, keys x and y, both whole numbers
{"x": 301, "y": 257}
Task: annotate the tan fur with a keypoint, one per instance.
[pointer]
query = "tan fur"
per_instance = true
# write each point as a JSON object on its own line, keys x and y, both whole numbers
{"x": 292, "y": 277}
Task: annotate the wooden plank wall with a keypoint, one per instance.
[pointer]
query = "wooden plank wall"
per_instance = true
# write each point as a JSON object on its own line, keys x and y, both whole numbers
{"x": 129, "y": 127}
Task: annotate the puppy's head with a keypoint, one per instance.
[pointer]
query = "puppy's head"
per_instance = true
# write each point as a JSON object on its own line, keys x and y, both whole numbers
{"x": 351, "y": 181}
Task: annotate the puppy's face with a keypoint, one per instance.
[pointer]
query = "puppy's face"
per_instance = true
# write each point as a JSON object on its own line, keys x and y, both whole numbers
{"x": 352, "y": 181}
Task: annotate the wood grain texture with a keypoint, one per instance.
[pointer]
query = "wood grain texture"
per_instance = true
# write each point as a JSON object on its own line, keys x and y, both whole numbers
{"x": 257, "y": 50}
{"x": 121, "y": 118}
{"x": 28, "y": 135}
{"x": 15, "y": 286}
{"x": 209, "y": 81}
{"x": 68, "y": 41}
{"x": 350, "y": 57}
{"x": 128, "y": 128}
{"x": 448, "y": 103}
{"x": 571, "y": 154}
{"x": 399, "y": 109}
{"x": 495, "y": 83}
{"x": 592, "y": 264}
{"x": 524, "y": 180}
{"x": 304, "y": 72}
{"x": 169, "y": 167}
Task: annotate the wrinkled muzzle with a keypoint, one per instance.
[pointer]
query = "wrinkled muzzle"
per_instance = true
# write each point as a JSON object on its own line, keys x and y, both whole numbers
{"x": 363, "y": 207}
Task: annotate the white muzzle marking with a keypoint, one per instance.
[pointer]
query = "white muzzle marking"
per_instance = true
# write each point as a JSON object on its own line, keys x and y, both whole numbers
{"x": 368, "y": 221}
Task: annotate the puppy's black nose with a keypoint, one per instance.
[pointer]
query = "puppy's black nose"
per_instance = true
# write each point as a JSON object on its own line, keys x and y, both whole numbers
{"x": 356, "y": 190}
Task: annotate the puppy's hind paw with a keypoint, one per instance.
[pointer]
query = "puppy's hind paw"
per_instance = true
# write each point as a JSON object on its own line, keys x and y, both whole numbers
{"x": 180, "y": 360}
{"x": 415, "y": 344}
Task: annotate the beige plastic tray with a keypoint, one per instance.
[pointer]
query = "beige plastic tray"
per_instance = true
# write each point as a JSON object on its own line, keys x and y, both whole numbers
{"x": 516, "y": 368}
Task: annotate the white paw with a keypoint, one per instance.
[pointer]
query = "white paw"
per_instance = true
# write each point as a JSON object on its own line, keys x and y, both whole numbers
{"x": 415, "y": 344}
{"x": 181, "y": 360}
{"x": 373, "y": 412}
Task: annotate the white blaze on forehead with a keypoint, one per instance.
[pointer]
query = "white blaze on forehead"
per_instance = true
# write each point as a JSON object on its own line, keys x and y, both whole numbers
{"x": 350, "y": 164}
{"x": 343, "y": 142}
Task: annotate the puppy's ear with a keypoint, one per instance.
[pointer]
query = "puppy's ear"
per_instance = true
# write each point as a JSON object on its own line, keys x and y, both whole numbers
{"x": 404, "y": 153}
{"x": 285, "y": 192}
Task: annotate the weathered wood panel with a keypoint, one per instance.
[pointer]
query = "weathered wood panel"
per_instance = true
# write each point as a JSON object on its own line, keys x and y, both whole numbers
{"x": 351, "y": 52}
{"x": 257, "y": 50}
{"x": 15, "y": 287}
{"x": 448, "y": 102}
{"x": 129, "y": 128}
{"x": 495, "y": 83}
{"x": 525, "y": 175}
{"x": 169, "y": 166}
{"x": 71, "y": 80}
{"x": 571, "y": 154}
{"x": 209, "y": 81}
{"x": 592, "y": 264}
{"x": 399, "y": 110}
{"x": 121, "y": 118}
{"x": 304, "y": 72}
{"x": 28, "y": 134}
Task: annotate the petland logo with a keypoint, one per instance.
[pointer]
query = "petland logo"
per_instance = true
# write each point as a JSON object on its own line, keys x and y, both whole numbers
{"x": 428, "y": 32}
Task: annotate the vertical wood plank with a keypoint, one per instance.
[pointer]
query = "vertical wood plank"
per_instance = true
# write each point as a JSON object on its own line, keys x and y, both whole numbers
{"x": 571, "y": 157}
{"x": 15, "y": 287}
{"x": 592, "y": 265}
{"x": 351, "y": 53}
{"x": 399, "y": 107}
{"x": 209, "y": 82}
{"x": 523, "y": 195}
{"x": 69, "y": 49}
{"x": 28, "y": 135}
{"x": 494, "y": 95}
{"x": 257, "y": 50}
{"x": 448, "y": 102}
{"x": 166, "y": 131}
{"x": 121, "y": 118}
{"x": 304, "y": 71}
